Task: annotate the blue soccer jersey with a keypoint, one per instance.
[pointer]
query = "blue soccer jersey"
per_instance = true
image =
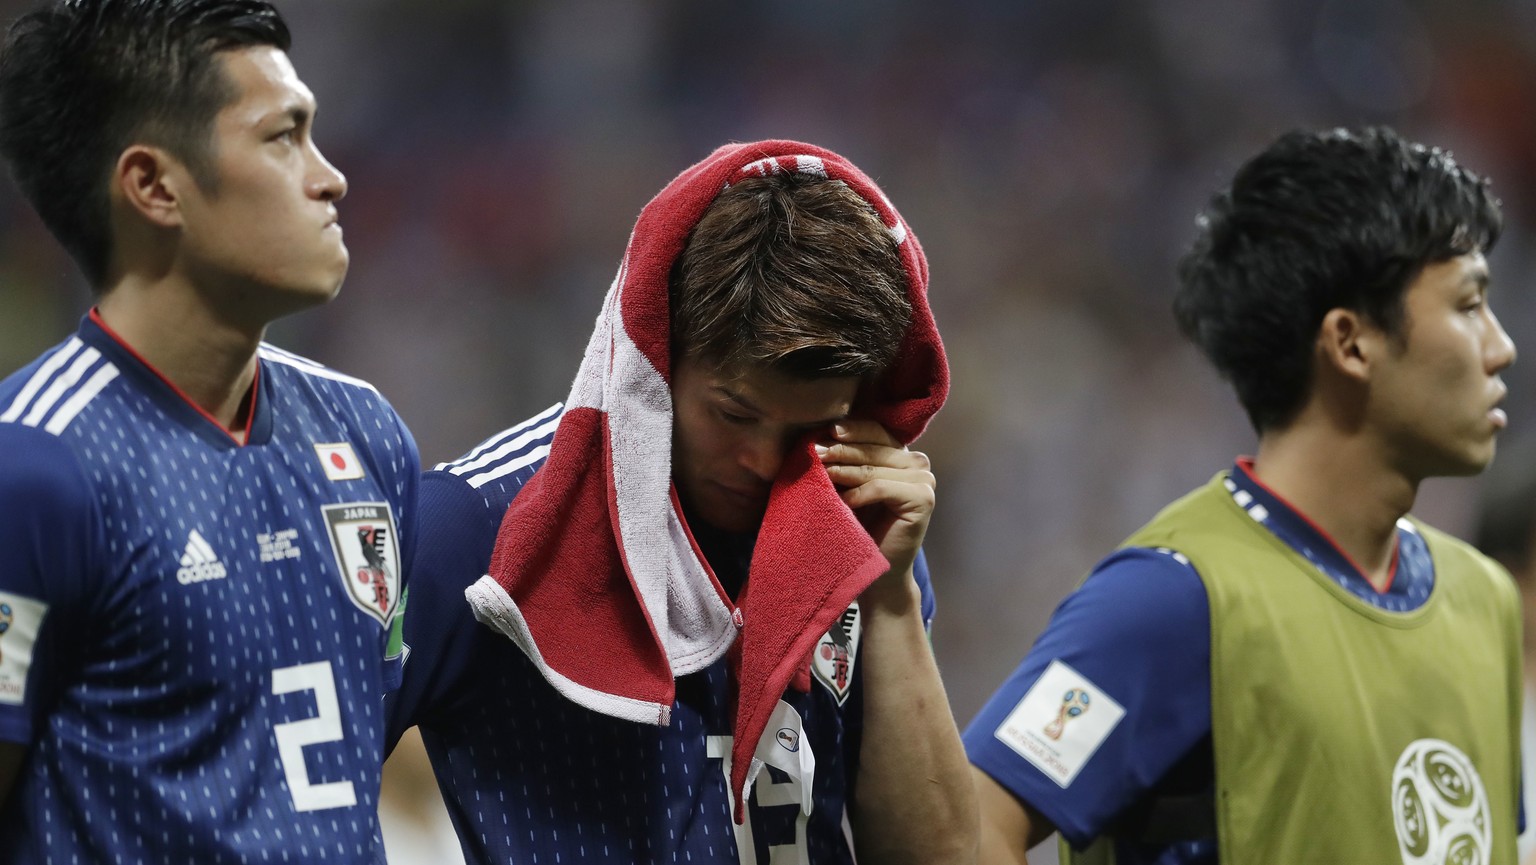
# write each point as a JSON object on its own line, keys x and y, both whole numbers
{"x": 193, "y": 632}
{"x": 1139, "y": 630}
{"x": 528, "y": 776}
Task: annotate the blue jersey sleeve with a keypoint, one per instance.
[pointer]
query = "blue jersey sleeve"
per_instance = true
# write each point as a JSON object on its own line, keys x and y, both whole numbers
{"x": 1109, "y": 699}
{"x": 407, "y": 489}
{"x": 456, "y": 533}
{"x": 925, "y": 588}
{"x": 50, "y": 543}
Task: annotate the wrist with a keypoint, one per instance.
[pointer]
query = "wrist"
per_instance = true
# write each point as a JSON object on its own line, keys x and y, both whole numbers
{"x": 894, "y": 593}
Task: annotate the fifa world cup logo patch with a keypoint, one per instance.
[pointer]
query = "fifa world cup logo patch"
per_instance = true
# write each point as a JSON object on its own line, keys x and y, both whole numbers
{"x": 1440, "y": 807}
{"x": 1074, "y": 704}
{"x": 363, "y": 536}
{"x": 7, "y": 615}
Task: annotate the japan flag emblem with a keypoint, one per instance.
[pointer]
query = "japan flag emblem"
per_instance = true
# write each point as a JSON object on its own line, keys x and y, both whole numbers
{"x": 339, "y": 461}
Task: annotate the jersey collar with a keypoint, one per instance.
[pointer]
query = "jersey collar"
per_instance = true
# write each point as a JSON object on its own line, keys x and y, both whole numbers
{"x": 1412, "y": 577}
{"x": 168, "y": 397}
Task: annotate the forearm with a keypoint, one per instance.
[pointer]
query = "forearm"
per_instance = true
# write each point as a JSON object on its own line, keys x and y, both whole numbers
{"x": 915, "y": 802}
{"x": 1009, "y": 828}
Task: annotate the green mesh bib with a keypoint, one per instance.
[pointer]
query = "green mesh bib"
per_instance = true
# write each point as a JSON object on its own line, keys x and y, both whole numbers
{"x": 1345, "y": 734}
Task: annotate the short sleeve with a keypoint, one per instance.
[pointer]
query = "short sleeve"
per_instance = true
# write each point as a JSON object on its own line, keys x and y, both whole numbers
{"x": 455, "y": 535}
{"x": 925, "y": 589}
{"x": 1112, "y": 695}
{"x": 50, "y": 542}
{"x": 406, "y": 492}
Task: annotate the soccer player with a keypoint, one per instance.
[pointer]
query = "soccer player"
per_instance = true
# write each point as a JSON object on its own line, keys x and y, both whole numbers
{"x": 1505, "y": 529}
{"x": 202, "y": 534}
{"x": 778, "y": 294}
{"x": 1283, "y": 666}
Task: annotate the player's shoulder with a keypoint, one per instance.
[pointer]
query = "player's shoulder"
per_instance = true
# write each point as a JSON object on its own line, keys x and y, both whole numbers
{"x": 1442, "y": 543}
{"x": 497, "y": 468}
{"x": 51, "y": 393}
{"x": 295, "y": 369}
{"x": 1142, "y": 592}
{"x": 39, "y": 470}
{"x": 335, "y": 397}
{"x": 1456, "y": 560}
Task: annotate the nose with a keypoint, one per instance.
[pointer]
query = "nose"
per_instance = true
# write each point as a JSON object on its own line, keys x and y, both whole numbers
{"x": 1499, "y": 352}
{"x": 326, "y": 182}
{"x": 762, "y": 455}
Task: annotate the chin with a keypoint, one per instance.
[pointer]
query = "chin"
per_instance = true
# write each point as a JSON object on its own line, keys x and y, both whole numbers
{"x": 292, "y": 299}
{"x": 727, "y": 518}
{"x": 1465, "y": 464}
{"x": 733, "y": 524}
{"x": 1487, "y": 459}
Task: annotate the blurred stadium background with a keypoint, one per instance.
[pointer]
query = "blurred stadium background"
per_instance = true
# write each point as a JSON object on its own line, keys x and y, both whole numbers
{"x": 1050, "y": 154}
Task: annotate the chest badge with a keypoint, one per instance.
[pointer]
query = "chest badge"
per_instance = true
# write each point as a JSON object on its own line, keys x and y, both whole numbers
{"x": 339, "y": 461}
{"x": 832, "y": 662}
{"x": 363, "y": 536}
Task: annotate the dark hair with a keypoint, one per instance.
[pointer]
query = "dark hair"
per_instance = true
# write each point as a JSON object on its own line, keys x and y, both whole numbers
{"x": 82, "y": 80}
{"x": 1320, "y": 221}
{"x": 792, "y": 272}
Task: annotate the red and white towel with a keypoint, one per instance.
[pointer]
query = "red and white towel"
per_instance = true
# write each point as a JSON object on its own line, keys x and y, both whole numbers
{"x": 595, "y": 575}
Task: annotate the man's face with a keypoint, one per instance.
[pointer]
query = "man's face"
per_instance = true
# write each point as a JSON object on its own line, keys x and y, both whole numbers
{"x": 732, "y": 430}
{"x": 265, "y": 236}
{"x": 1436, "y": 395}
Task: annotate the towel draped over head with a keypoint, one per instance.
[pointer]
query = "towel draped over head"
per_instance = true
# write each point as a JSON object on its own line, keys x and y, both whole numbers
{"x": 595, "y": 574}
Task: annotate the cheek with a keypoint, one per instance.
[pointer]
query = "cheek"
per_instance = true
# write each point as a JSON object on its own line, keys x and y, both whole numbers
{"x": 689, "y": 435}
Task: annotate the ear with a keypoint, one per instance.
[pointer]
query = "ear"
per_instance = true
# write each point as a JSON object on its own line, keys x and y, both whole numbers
{"x": 1348, "y": 343}
{"x": 149, "y": 181}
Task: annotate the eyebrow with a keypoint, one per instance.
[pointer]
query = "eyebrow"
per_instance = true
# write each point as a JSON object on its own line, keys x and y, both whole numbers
{"x": 299, "y": 114}
{"x": 297, "y": 111}
{"x": 747, "y": 404}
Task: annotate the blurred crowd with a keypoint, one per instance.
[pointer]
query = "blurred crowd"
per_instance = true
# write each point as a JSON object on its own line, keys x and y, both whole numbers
{"x": 1050, "y": 155}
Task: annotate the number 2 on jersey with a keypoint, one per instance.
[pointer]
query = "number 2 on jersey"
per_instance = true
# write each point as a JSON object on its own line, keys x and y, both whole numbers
{"x": 292, "y": 736}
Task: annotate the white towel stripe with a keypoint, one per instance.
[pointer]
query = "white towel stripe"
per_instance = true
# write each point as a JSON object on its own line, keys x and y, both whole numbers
{"x": 69, "y": 379}
{"x": 494, "y": 608}
{"x": 44, "y": 372}
{"x": 75, "y": 404}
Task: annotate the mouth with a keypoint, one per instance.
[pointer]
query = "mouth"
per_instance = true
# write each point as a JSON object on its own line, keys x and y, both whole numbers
{"x": 744, "y": 498}
{"x": 1496, "y": 413}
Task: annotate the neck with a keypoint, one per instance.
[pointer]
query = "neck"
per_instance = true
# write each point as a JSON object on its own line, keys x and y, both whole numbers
{"x": 1342, "y": 485}
{"x": 729, "y": 554}
{"x": 209, "y": 357}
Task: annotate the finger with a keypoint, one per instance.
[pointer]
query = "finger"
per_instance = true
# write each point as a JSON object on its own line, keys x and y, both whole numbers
{"x": 855, "y": 475}
{"x": 901, "y": 497}
{"x": 851, "y": 430}
{"x": 872, "y": 454}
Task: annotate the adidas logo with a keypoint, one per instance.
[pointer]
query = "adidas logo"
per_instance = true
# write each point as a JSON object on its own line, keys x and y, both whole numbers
{"x": 199, "y": 563}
